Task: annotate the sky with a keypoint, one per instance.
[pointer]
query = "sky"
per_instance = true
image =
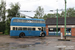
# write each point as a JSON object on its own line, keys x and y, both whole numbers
{"x": 32, "y": 5}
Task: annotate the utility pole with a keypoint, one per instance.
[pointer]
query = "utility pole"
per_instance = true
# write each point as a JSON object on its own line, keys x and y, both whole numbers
{"x": 65, "y": 20}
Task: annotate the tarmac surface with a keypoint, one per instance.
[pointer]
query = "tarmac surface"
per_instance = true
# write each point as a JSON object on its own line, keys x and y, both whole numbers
{"x": 35, "y": 43}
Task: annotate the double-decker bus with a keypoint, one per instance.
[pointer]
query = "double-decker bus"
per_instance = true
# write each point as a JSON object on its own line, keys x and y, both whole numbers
{"x": 27, "y": 27}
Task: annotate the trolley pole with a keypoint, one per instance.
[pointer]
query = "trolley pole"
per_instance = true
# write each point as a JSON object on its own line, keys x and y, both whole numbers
{"x": 57, "y": 23}
{"x": 65, "y": 27}
{"x": 65, "y": 20}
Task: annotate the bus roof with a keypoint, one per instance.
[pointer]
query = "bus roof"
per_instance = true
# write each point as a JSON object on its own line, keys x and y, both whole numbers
{"x": 27, "y": 18}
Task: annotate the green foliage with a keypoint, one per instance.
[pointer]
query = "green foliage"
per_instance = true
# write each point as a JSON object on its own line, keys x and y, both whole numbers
{"x": 2, "y": 27}
{"x": 50, "y": 16}
{"x": 62, "y": 14}
{"x": 45, "y": 17}
{"x": 6, "y": 32}
{"x": 23, "y": 16}
{"x": 35, "y": 17}
{"x": 70, "y": 13}
{"x": 2, "y": 15}
{"x": 3, "y": 10}
{"x": 0, "y": 9}
{"x": 39, "y": 13}
{"x": 14, "y": 10}
{"x": 7, "y": 29}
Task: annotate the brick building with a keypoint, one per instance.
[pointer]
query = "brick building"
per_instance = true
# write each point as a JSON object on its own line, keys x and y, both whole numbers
{"x": 51, "y": 26}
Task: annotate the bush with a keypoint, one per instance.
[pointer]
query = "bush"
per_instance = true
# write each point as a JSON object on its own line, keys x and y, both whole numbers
{"x": 6, "y": 32}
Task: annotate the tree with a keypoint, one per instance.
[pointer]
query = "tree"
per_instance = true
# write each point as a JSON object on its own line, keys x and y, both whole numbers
{"x": 14, "y": 11}
{"x": 0, "y": 10}
{"x": 62, "y": 14}
{"x": 2, "y": 15}
{"x": 23, "y": 16}
{"x": 70, "y": 12}
{"x": 45, "y": 17}
{"x": 7, "y": 30}
{"x": 3, "y": 10}
{"x": 39, "y": 13}
{"x": 35, "y": 17}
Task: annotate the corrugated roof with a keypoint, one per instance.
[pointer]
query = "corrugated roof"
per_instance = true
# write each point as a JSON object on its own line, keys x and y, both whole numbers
{"x": 52, "y": 21}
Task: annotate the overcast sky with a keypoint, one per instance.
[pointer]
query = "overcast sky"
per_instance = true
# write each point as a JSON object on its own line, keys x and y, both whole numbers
{"x": 46, "y": 4}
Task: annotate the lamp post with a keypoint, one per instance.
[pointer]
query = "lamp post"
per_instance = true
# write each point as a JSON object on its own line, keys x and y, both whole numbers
{"x": 65, "y": 20}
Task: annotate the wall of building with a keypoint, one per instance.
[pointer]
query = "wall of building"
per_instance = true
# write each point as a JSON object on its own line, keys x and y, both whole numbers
{"x": 73, "y": 31}
{"x": 62, "y": 30}
{"x": 46, "y": 29}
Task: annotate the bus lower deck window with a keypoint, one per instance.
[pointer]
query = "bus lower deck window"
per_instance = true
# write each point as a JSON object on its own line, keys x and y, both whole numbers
{"x": 29, "y": 28}
{"x": 19, "y": 28}
{"x": 39, "y": 28}
{"x": 16, "y": 28}
{"x": 33, "y": 29}
{"x": 24, "y": 28}
{"x": 13, "y": 28}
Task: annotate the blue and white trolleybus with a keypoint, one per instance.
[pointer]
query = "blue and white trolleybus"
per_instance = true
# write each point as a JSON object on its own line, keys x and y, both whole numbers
{"x": 27, "y": 27}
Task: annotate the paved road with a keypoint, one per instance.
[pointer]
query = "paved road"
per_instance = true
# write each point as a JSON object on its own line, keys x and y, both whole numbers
{"x": 35, "y": 43}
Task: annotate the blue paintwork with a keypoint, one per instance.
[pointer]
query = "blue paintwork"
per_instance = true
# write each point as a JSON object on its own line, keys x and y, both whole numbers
{"x": 54, "y": 33}
{"x": 27, "y": 32}
{"x": 27, "y": 24}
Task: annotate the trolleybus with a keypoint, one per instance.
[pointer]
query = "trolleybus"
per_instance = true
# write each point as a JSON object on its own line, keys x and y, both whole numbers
{"x": 27, "y": 27}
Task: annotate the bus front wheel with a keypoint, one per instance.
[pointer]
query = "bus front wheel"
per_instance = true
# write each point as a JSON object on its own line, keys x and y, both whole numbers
{"x": 21, "y": 35}
{"x": 42, "y": 35}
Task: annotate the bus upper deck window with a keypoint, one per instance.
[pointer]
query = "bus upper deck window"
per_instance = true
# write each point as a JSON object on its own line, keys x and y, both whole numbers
{"x": 15, "y": 20}
{"x": 25, "y": 21}
{"x": 38, "y": 21}
{"x": 19, "y": 20}
{"x": 42, "y": 21}
{"x": 34, "y": 21}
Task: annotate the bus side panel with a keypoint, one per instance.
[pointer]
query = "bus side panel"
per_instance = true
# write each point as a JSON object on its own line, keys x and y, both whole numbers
{"x": 17, "y": 33}
{"x": 37, "y": 33}
{"x": 13, "y": 33}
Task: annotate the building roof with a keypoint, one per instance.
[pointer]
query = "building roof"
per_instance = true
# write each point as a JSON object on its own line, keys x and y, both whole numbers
{"x": 52, "y": 21}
